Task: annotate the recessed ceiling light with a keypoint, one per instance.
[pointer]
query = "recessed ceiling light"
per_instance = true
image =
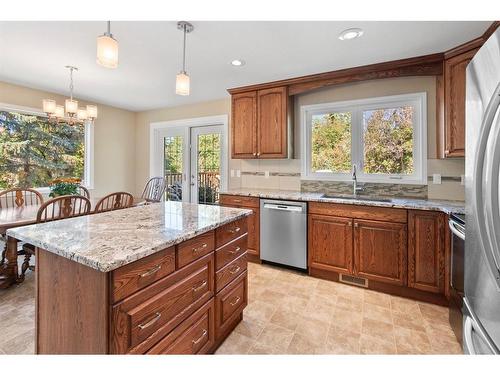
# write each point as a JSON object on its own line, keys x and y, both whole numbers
{"x": 350, "y": 34}
{"x": 237, "y": 62}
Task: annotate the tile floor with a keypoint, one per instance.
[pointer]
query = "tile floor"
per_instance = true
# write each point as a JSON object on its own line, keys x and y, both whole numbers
{"x": 289, "y": 313}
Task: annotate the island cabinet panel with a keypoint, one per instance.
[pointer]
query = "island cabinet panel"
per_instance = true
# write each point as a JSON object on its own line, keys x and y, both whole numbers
{"x": 134, "y": 276}
{"x": 272, "y": 137}
{"x": 229, "y": 304}
{"x": 244, "y": 125}
{"x": 195, "y": 248}
{"x": 426, "y": 250}
{"x": 230, "y": 232}
{"x": 230, "y": 251}
{"x": 196, "y": 335}
{"x": 380, "y": 251}
{"x": 330, "y": 243}
{"x": 138, "y": 322}
{"x": 62, "y": 318}
{"x": 229, "y": 272}
{"x": 253, "y": 221}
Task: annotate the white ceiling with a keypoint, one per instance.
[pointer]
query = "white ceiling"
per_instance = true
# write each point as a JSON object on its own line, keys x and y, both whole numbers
{"x": 34, "y": 54}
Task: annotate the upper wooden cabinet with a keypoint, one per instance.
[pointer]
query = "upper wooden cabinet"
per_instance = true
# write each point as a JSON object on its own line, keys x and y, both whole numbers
{"x": 426, "y": 250}
{"x": 454, "y": 104}
{"x": 261, "y": 124}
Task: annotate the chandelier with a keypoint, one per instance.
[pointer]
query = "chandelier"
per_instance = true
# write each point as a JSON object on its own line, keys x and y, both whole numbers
{"x": 69, "y": 113}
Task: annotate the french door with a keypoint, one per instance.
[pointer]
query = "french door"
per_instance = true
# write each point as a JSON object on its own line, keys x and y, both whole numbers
{"x": 193, "y": 161}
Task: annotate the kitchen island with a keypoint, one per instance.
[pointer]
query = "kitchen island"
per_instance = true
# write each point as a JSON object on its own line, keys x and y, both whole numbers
{"x": 161, "y": 278}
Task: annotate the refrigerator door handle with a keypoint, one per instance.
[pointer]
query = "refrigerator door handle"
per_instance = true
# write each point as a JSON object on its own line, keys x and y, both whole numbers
{"x": 455, "y": 230}
{"x": 472, "y": 328}
{"x": 468, "y": 346}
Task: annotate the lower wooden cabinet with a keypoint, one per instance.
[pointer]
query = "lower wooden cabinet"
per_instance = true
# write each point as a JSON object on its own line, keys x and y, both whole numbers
{"x": 380, "y": 251}
{"x": 330, "y": 243}
{"x": 229, "y": 304}
{"x": 426, "y": 250}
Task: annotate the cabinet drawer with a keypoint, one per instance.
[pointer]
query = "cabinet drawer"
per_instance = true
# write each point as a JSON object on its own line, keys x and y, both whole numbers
{"x": 230, "y": 251}
{"x": 195, "y": 335}
{"x": 141, "y": 320}
{"x": 137, "y": 275}
{"x": 398, "y": 215}
{"x": 195, "y": 248}
{"x": 230, "y": 302}
{"x": 236, "y": 200}
{"x": 228, "y": 273}
{"x": 230, "y": 231}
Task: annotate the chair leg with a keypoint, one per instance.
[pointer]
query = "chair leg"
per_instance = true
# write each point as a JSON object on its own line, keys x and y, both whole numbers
{"x": 2, "y": 261}
{"x": 26, "y": 264}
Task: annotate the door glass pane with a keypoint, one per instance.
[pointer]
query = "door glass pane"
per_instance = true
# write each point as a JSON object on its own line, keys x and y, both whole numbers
{"x": 209, "y": 168}
{"x": 388, "y": 141}
{"x": 331, "y": 143}
{"x": 172, "y": 167}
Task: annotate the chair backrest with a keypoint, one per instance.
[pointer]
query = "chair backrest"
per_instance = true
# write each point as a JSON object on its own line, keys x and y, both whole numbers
{"x": 154, "y": 190}
{"x": 63, "y": 207}
{"x": 18, "y": 197}
{"x": 83, "y": 191}
{"x": 114, "y": 201}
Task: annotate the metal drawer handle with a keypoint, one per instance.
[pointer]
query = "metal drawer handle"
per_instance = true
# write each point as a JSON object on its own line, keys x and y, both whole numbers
{"x": 356, "y": 225}
{"x": 236, "y": 300}
{"x": 197, "y": 341}
{"x": 151, "y": 322}
{"x": 235, "y": 250}
{"x": 237, "y": 200}
{"x": 151, "y": 271}
{"x": 235, "y": 270}
{"x": 199, "y": 287}
{"x": 196, "y": 249}
{"x": 235, "y": 230}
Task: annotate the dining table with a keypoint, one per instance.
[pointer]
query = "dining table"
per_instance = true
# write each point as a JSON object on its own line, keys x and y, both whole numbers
{"x": 12, "y": 217}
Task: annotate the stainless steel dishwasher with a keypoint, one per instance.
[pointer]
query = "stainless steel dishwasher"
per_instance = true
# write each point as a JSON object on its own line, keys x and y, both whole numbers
{"x": 283, "y": 232}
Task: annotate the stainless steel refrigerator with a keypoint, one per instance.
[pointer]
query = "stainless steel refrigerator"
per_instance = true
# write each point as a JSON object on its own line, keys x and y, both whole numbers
{"x": 481, "y": 333}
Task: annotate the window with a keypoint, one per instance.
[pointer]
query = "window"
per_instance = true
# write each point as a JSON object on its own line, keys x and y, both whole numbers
{"x": 34, "y": 151}
{"x": 384, "y": 137}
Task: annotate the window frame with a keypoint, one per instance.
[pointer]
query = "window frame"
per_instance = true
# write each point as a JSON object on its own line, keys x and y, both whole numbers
{"x": 88, "y": 175}
{"x": 356, "y": 108}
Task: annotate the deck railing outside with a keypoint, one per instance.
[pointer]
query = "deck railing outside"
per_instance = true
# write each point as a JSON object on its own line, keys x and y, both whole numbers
{"x": 208, "y": 187}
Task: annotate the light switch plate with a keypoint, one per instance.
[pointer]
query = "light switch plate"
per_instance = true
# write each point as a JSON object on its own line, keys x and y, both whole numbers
{"x": 436, "y": 179}
{"x": 232, "y": 172}
{"x": 266, "y": 174}
{"x": 238, "y": 173}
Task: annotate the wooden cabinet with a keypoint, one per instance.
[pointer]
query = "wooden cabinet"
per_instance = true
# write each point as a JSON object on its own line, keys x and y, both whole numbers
{"x": 244, "y": 125}
{"x": 253, "y": 221}
{"x": 380, "y": 251}
{"x": 330, "y": 243}
{"x": 261, "y": 124}
{"x": 454, "y": 104}
{"x": 426, "y": 250}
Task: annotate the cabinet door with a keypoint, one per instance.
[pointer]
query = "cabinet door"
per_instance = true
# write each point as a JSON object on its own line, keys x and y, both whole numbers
{"x": 380, "y": 251}
{"x": 272, "y": 128}
{"x": 244, "y": 125}
{"x": 254, "y": 232}
{"x": 330, "y": 243}
{"x": 454, "y": 87}
{"x": 426, "y": 264}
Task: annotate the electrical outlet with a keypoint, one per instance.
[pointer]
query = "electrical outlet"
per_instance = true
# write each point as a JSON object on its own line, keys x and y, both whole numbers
{"x": 266, "y": 174}
{"x": 436, "y": 179}
{"x": 462, "y": 179}
{"x": 238, "y": 173}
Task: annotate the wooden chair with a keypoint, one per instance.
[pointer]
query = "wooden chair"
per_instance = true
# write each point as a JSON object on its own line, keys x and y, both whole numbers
{"x": 18, "y": 197}
{"x": 154, "y": 190}
{"x": 58, "y": 208}
{"x": 114, "y": 201}
{"x": 83, "y": 191}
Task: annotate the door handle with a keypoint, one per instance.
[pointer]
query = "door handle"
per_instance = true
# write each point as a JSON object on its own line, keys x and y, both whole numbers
{"x": 455, "y": 230}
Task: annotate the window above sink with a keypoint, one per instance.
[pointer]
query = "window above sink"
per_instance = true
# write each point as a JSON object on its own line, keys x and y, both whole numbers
{"x": 385, "y": 137}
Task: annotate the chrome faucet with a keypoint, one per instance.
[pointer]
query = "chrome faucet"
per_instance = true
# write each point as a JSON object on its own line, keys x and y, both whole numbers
{"x": 355, "y": 187}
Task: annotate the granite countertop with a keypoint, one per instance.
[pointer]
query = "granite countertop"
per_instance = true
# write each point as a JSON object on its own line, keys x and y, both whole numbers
{"x": 110, "y": 240}
{"x": 409, "y": 203}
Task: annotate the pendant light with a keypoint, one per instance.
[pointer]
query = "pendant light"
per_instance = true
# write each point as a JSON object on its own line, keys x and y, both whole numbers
{"x": 107, "y": 49}
{"x": 182, "y": 81}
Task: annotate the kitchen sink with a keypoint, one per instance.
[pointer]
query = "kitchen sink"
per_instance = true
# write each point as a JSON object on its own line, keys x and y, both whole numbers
{"x": 356, "y": 197}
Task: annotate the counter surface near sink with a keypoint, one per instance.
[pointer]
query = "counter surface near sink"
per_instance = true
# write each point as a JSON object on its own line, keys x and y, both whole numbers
{"x": 110, "y": 240}
{"x": 445, "y": 206}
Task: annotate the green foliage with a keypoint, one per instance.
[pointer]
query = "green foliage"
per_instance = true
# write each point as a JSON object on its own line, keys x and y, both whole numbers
{"x": 34, "y": 152}
{"x": 331, "y": 142}
{"x": 207, "y": 194}
{"x": 63, "y": 188}
{"x": 388, "y": 140}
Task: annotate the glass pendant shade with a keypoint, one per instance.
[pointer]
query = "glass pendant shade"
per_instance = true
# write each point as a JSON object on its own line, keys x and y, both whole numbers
{"x": 107, "y": 51}
{"x": 91, "y": 111}
{"x": 59, "y": 112}
{"x": 71, "y": 106}
{"x": 82, "y": 114}
{"x": 49, "y": 106}
{"x": 182, "y": 84}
